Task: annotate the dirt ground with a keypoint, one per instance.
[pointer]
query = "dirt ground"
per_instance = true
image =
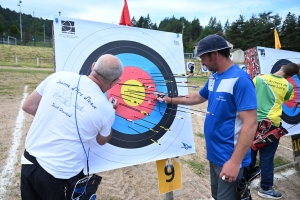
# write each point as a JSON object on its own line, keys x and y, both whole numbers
{"x": 138, "y": 182}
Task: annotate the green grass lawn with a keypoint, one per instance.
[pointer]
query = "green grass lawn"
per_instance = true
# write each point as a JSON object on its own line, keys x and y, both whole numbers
{"x": 26, "y": 56}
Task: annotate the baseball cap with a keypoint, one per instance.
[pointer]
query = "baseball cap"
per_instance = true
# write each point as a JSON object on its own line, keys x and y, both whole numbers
{"x": 211, "y": 43}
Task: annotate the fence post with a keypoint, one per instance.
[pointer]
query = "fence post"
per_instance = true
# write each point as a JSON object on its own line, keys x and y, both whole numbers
{"x": 169, "y": 196}
{"x": 37, "y": 62}
{"x": 16, "y": 60}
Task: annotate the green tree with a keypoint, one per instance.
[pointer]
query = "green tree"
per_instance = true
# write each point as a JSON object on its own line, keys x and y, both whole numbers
{"x": 133, "y": 21}
{"x": 234, "y": 32}
{"x": 140, "y": 22}
{"x": 196, "y": 29}
{"x": 265, "y": 30}
{"x": 297, "y": 39}
{"x": 226, "y": 26}
{"x": 289, "y": 32}
{"x": 2, "y": 29}
{"x": 13, "y": 30}
{"x": 147, "y": 22}
{"x": 154, "y": 26}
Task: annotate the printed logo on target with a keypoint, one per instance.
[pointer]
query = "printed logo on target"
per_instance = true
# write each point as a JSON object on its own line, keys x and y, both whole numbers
{"x": 68, "y": 27}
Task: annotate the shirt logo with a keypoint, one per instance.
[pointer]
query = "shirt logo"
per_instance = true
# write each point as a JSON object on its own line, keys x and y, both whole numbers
{"x": 220, "y": 98}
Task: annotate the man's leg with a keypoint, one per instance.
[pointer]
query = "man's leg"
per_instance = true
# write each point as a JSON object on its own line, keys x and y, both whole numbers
{"x": 213, "y": 181}
{"x": 36, "y": 183}
{"x": 28, "y": 192}
{"x": 221, "y": 189}
{"x": 266, "y": 156}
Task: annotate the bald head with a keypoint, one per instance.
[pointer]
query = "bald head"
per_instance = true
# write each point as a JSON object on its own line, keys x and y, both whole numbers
{"x": 109, "y": 67}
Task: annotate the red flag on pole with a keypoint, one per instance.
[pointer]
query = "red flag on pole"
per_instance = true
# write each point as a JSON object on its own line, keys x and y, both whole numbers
{"x": 125, "y": 17}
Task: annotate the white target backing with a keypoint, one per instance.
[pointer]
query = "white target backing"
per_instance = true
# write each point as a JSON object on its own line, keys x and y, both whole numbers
{"x": 145, "y": 54}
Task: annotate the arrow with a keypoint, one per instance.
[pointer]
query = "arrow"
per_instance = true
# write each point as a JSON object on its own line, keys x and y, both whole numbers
{"x": 135, "y": 109}
{"x": 193, "y": 86}
{"x": 183, "y": 110}
{"x": 155, "y": 142}
{"x": 153, "y": 123}
{"x": 177, "y": 116}
{"x": 133, "y": 129}
{"x": 138, "y": 124}
{"x": 131, "y": 84}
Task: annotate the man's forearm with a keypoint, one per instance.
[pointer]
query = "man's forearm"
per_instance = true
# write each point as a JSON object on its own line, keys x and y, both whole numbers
{"x": 191, "y": 99}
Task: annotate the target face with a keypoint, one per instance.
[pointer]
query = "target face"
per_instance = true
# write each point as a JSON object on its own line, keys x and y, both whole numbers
{"x": 189, "y": 65}
{"x": 135, "y": 93}
{"x": 144, "y": 129}
{"x": 270, "y": 61}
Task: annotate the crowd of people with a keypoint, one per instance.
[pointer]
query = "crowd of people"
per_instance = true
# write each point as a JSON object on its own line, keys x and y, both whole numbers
{"x": 237, "y": 105}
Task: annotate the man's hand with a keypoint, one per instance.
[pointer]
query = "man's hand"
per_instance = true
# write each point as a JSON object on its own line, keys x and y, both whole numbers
{"x": 161, "y": 97}
{"x": 114, "y": 102}
{"x": 230, "y": 170}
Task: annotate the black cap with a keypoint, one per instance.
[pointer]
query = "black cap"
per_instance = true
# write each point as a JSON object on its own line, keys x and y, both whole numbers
{"x": 211, "y": 43}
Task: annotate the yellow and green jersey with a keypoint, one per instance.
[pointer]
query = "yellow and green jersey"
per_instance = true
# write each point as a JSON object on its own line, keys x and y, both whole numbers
{"x": 271, "y": 92}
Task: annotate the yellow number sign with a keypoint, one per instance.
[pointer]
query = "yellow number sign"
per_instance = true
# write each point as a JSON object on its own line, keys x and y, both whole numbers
{"x": 296, "y": 144}
{"x": 169, "y": 175}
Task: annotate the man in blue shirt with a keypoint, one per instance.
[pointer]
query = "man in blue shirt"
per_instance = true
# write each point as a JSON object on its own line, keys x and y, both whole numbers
{"x": 231, "y": 119}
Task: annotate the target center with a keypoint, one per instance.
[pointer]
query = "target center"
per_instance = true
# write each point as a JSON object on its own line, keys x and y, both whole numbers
{"x": 133, "y": 92}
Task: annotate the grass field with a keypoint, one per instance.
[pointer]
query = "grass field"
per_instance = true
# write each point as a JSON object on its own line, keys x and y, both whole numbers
{"x": 26, "y": 55}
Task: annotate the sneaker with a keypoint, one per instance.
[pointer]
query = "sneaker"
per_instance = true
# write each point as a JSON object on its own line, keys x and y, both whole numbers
{"x": 271, "y": 193}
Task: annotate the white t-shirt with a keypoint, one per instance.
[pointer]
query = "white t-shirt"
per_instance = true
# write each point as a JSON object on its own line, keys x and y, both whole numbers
{"x": 53, "y": 138}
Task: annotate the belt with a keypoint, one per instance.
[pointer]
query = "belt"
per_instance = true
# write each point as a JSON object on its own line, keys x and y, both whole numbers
{"x": 31, "y": 158}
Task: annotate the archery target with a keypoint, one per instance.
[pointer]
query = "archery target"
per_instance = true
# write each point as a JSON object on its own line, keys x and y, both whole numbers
{"x": 189, "y": 65}
{"x": 271, "y": 61}
{"x": 204, "y": 68}
{"x": 144, "y": 129}
{"x": 140, "y": 64}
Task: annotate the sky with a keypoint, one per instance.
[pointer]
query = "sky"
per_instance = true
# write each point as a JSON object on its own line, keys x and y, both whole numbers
{"x": 109, "y": 11}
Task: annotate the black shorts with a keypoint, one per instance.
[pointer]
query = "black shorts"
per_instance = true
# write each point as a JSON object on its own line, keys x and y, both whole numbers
{"x": 38, "y": 184}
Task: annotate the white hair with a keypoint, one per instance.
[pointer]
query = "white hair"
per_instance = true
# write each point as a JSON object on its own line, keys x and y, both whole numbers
{"x": 109, "y": 67}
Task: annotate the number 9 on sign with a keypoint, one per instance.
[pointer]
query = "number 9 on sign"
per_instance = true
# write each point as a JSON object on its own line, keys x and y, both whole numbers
{"x": 169, "y": 171}
{"x": 169, "y": 175}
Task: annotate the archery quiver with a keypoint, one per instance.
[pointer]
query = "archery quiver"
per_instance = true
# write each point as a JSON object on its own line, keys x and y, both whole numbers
{"x": 267, "y": 133}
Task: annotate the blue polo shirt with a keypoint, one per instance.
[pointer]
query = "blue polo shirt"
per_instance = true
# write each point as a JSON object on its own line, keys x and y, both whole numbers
{"x": 228, "y": 93}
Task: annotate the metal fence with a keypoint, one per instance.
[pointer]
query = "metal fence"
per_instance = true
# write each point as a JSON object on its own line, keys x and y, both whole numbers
{"x": 188, "y": 55}
{"x": 25, "y": 61}
{"x": 38, "y": 41}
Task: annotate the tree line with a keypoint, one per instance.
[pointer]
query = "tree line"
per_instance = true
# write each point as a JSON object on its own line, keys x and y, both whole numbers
{"x": 33, "y": 28}
{"x": 242, "y": 33}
